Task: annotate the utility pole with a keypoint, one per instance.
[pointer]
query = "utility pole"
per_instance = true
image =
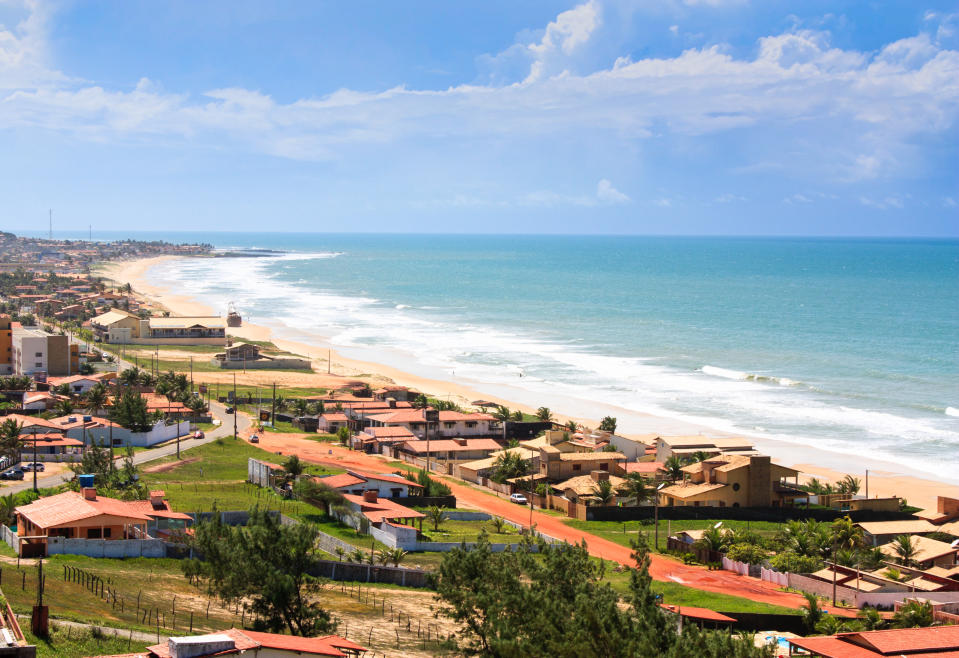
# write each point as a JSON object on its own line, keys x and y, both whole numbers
{"x": 234, "y": 405}
{"x": 273, "y": 407}
{"x": 35, "y": 490}
{"x": 191, "y": 375}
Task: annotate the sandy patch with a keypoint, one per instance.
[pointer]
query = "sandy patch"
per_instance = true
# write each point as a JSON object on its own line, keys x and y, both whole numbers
{"x": 166, "y": 468}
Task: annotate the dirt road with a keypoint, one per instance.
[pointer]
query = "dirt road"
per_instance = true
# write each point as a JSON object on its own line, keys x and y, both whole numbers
{"x": 661, "y": 568}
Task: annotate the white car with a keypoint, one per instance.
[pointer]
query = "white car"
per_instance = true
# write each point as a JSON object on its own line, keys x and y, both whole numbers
{"x": 518, "y": 498}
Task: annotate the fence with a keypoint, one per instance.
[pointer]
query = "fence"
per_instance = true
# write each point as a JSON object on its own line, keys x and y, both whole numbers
{"x": 115, "y": 548}
{"x": 369, "y": 573}
{"x": 10, "y": 537}
{"x": 774, "y": 514}
{"x": 773, "y": 576}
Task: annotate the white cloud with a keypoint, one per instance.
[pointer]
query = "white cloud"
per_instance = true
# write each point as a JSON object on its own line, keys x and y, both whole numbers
{"x": 606, "y": 193}
{"x": 728, "y": 197}
{"x": 949, "y": 202}
{"x": 797, "y": 198}
{"x": 662, "y": 202}
{"x": 882, "y": 204}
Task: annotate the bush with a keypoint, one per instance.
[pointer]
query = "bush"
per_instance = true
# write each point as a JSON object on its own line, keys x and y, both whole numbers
{"x": 749, "y": 553}
{"x": 793, "y": 563}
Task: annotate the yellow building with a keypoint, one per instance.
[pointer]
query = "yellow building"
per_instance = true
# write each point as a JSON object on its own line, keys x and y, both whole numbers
{"x": 732, "y": 481}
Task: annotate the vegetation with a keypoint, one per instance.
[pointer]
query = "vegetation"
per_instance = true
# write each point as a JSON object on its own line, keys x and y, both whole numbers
{"x": 64, "y": 641}
{"x": 262, "y": 566}
{"x": 556, "y": 603}
{"x": 431, "y": 487}
{"x": 608, "y": 424}
{"x": 509, "y": 465}
{"x": 436, "y": 516}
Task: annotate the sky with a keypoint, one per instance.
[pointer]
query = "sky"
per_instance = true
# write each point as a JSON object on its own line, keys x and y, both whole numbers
{"x": 684, "y": 117}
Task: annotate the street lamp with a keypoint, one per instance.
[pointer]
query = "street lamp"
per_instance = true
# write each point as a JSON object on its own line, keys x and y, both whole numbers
{"x": 656, "y": 512}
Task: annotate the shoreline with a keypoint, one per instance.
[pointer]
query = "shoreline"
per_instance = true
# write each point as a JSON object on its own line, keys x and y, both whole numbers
{"x": 885, "y": 478}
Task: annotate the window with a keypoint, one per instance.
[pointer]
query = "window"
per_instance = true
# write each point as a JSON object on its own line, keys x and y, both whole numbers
{"x": 577, "y": 467}
{"x": 449, "y": 426}
{"x": 604, "y": 466}
{"x": 38, "y": 364}
{"x": 39, "y": 355}
{"x": 735, "y": 486}
{"x": 471, "y": 423}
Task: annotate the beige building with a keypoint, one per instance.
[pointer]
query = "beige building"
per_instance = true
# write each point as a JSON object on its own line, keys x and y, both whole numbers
{"x": 118, "y": 326}
{"x": 558, "y": 466}
{"x": 686, "y": 446}
{"x": 37, "y": 352}
{"x": 732, "y": 481}
{"x": 929, "y": 552}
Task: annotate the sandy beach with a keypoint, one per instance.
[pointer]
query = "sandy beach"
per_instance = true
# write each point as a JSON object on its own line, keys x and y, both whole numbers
{"x": 332, "y": 368}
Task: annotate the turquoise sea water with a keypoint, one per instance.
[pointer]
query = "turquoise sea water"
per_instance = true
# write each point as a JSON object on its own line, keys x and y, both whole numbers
{"x": 848, "y": 345}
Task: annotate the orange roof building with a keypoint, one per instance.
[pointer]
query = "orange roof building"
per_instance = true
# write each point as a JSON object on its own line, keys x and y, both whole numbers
{"x": 234, "y": 641}
{"x": 931, "y": 642}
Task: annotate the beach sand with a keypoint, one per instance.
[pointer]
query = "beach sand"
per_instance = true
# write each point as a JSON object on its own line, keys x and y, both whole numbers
{"x": 334, "y": 369}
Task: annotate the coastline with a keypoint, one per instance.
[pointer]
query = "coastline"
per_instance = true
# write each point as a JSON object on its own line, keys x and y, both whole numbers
{"x": 885, "y": 478}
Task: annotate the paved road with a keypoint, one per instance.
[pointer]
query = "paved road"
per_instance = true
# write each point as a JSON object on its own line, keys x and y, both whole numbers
{"x": 661, "y": 568}
{"x": 144, "y": 456}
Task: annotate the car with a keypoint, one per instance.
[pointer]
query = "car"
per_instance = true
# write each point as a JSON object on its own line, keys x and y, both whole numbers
{"x": 229, "y": 410}
{"x": 199, "y": 434}
{"x": 254, "y": 439}
{"x": 518, "y": 498}
{"x": 12, "y": 474}
{"x": 35, "y": 466}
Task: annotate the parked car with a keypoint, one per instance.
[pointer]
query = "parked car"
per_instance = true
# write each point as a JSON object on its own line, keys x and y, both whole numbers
{"x": 199, "y": 434}
{"x": 229, "y": 410}
{"x": 12, "y": 474}
{"x": 34, "y": 466}
{"x": 254, "y": 439}
{"x": 518, "y": 498}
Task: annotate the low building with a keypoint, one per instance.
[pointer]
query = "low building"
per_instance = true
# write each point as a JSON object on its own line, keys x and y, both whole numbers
{"x": 929, "y": 552}
{"x": 652, "y": 470}
{"x": 386, "y": 485}
{"x": 459, "y": 449}
{"x": 234, "y": 641}
{"x": 451, "y": 423}
{"x": 116, "y": 326}
{"x": 49, "y": 447}
{"x": 686, "y": 446}
{"x": 377, "y": 440}
{"x": 478, "y": 470}
{"x": 877, "y": 533}
{"x": 84, "y": 515}
{"x": 702, "y": 617}
{"x": 558, "y": 466}
{"x": 183, "y": 331}
{"x": 582, "y": 488}
{"x": 912, "y": 642}
{"x": 79, "y": 384}
{"x": 330, "y": 423}
{"x": 732, "y": 481}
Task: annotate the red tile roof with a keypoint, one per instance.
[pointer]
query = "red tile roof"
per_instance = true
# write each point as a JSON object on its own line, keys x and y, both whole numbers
{"x": 449, "y": 445}
{"x": 646, "y": 468}
{"x": 389, "y": 432}
{"x": 351, "y": 478}
{"x": 49, "y": 441}
{"x": 30, "y": 421}
{"x": 417, "y": 416}
{"x": 939, "y": 641}
{"x": 71, "y": 506}
{"x": 383, "y": 509}
{"x": 340, "y": 480}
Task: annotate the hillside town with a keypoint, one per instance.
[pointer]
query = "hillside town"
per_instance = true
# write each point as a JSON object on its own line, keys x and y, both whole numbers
{"x": 155, "y": 477}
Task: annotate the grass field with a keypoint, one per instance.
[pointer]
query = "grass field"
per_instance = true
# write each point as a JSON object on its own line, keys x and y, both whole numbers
{"x": 215, "y": 475}
{"x": 468, "y": 531}
{"x": 65, "y": 641}
{"x": 624, "y": 533}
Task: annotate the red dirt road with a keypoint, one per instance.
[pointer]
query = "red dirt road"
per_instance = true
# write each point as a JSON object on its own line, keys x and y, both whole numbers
{"x": 661, "y": 567}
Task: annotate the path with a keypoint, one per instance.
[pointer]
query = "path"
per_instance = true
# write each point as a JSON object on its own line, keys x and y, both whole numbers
{"x": 139, "y": 636}
{"x": 145, "y": 456}
{"x": 661, "y": 568}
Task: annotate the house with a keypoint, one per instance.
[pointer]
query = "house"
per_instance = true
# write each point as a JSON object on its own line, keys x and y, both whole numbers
{"x": 459, "y": 449}
{"x": 912, "y": 642}
{"x": 386, "y": 485}
{"x": 183, "y": 331}
{"x": 6, "y": 345}
{"x": 397, "y": 393}
{"x": 79, "y": 384}
{"x": 116, "y": 326}
{"x": 376, "y": 439}
{"x": 330, "y": 423}
{"x": 702, "y": 617}
{"x": 84, "y": 515}
{"x": 480, "y": 469}
{"x": 50, "y": 446}
{"x": 558, "y": 466}
{"x": 378, "y": 511}
{"x": 451, "y": 423}
{"x": 40, "y": 400}
{"x": 234, "y": 641}
{"x": 732, "y": 481}
{"x": 683, "y": 446}
{"x": 929, "y": 552}
{"x": 582, "y": 488}
{"x": 653, "y": 470}
{"x": 947, "y": 509}
{"x": 240, "y": 352}
{"x": 94, "y": 430}
{"x": 634, "y": 447}
{"x": 878, "y": 533}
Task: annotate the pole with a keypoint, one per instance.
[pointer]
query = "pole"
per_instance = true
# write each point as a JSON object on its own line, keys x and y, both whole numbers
{"x": 234, "y": 405}
{"x": 656, "y": 519}
{"x": 191, "y": 375}
{"x": 426, "y": 418}
{"x": 35, "y": 460}
{"x": 867, "y": 483}
{"x": 834, "y": 574}
{"x": 329, "y": 361}
{"x": 273, "y": 407}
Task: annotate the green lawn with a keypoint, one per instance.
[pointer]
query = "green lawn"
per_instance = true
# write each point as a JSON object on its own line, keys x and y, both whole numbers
{"x": 68, "y": 642}
{"x": 468, "y": 531}
{"x": 624, "y": 533}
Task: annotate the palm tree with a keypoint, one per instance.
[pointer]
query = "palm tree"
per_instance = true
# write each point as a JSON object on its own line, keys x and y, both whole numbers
{"x": 96, "y": 398}
{"x": 674, "y": 468}
{"x": 10, "y": 438}
{"x": 845, "y": 534}
{"x": 517, "y": 416}
{"x": 294, "y": 467}
{"x": 544, "y": 414}
{"x": 420, "y": 402}
{"x": 130, "y": 376}
{"x": 499, "y": 523}
{"x": 63, "y": 407}
{"x": 871, "y": 619}
{"x": 604, "y": 492}
{"x": 713, "y": 539}
{"x": 635, "y": 488}
{"x": 700, "y": 456}
{"x": 914, "y": 614}
{"x": 8, "y": 504}
{"x": 571, "y": 425}
{"x": 394, "y": 555}
{"x": 357, "y": 555}
{"x": 300, "y": 406}
{"x": 812, "y": 614}
{"x": 849, "y": 485}
{"x": 339, "y": 552}
{"x": 436, "y": 516}
{"x": 905, "y": 550}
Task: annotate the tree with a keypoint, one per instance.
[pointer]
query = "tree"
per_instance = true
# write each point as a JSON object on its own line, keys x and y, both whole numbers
{"x": 130, "y": 411}
{"x": 318, "y": 494}
{"x": 63, "y": 407}
{"x": 846, "y": 534}
{"x": 130, "y": 376}
{"x": 264, "y": 567}
{"x": 552, "y": 600}
{"x": 544, "y": 414}
{"x": 871, "y": 619}
{"x": 420, "y": 402}
{"x": 746, "y": 552}
{"x": 343, "y": 435}
{"x": 96, "y": 398}
{"x": 636, "y": 489}
{"x": 436, "y": 516}
{"x": 713, "y": 539}
{"x": 812, "y": 614}
{"x": 914, "y": 614}
{"x": 604, "y": 492}
{"x": 509, "y": 465}
{"x": 8, "y": 505}
{"x": 905, "y": 550}
{"x": 571, "y": 425}
{"x": 674, "y": 468}
{"x": 849, "y": 485}
{"x": 608, "y": 424}
{"x": 10, "y": 439}
{"x": 517, "y": 416}
{"x": 294, "y": 467}
{"x": 300, "y": 406}
{"x": 394, "y": 555}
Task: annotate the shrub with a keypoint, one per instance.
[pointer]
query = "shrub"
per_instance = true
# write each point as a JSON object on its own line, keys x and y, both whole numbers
{"x": 745, "y": 552}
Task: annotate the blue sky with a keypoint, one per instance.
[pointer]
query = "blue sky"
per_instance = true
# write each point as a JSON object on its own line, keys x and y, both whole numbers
{"x": 631, "y": 116}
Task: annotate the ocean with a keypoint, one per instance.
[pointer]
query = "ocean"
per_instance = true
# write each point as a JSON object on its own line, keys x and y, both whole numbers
{"x": 847, "y": 345}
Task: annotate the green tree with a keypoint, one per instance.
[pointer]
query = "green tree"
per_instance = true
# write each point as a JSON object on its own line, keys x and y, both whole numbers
{"x": 96, "y": 398}
{"x": 8, "y": 505}
{"x": 749, "y": 553}
{"x": 436, "y": 516}
{"x": 509, "y": 465}
{"x": 905, "y": 550}
{"x": 420, "y": 402}
{"x": 571, "y": 425}
{"x": 130, "y": 411}
{"x": 130, "y": 376}
{"x": 849, "y": 485}
{"x": 608, "y": 424}
{"x": 10, "y": 439}
{"x": 300, "y": 406}
{"x": 264, "y": 567}
{"x": 63, "y": 407}
{"x": 604, "y": 492}
{"x": 294, "y": 467}
{"x": 812, "y": 614}
{"x": 871, "y": 619}
{"x": 636, "y": 489}
{"x": 544, "y": 414}
{"x": 713, "y": 539}
{"x": 914, "y": 614}
{"x": 846, "y": 534}
{"x": 674, "y": 468}
{"x": 343, "y": 435}
{"x": 318, "y": 494}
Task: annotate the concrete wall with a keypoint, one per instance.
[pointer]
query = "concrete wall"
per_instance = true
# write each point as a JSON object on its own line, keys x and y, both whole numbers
{"x": 264, "y": 364}
{"x": 101, "y": 435}
{"x": 186, "y": 340}
{"x": 116, "y": 548}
